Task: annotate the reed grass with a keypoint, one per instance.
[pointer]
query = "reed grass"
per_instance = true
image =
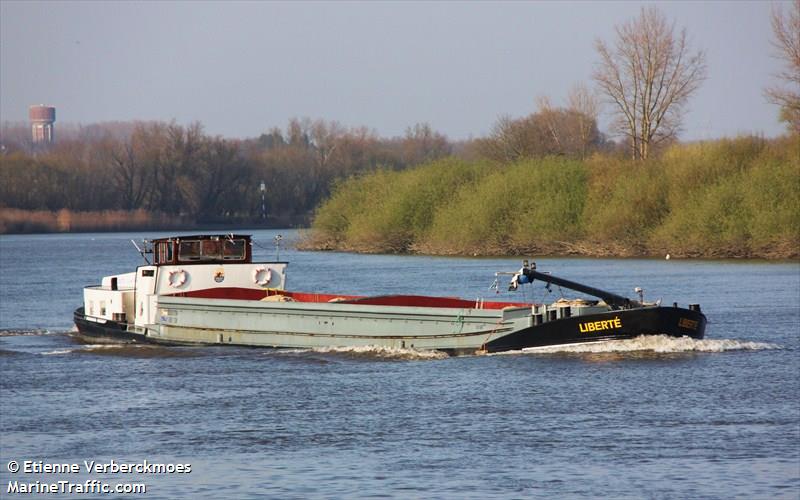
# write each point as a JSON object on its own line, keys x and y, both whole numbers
{"x": 14, "y": 220}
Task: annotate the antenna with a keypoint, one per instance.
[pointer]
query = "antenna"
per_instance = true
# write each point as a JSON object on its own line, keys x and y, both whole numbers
{"x": 141, "y": 252}
{"x": 278, "y": 239}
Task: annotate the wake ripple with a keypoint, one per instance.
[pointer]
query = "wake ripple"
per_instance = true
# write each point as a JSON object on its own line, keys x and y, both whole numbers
{"x": 83, "y": 348}
{"x": 126, "y": 350}
{"x": 374, "y": 352}
{"x": 656, "y": 344}
{"x": 26, "y": 332}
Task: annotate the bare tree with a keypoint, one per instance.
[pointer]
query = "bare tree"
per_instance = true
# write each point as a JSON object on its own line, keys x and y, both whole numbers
{"x": 325, "y": 137}
{"x": 548, "y": 114}
{"x": 299, "y": 132}
{"x": 130, "y": 177}
{"x": 786, "y": 29}
{"x": 421, "y": 143}
{"x": 583, "y": 103}
{"x": 550, "y": 131}
{"x": 571, "y": 129}
{"x": 219, "y": 173}
{"x": 510, "y": 140}
{"x": 648, "y": 76}
{"x": 15, "y": 137}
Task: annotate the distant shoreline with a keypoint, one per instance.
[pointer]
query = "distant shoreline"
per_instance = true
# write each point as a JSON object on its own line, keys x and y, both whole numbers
{"x": 585, "y": 249}
{"x": 18, "y": 221}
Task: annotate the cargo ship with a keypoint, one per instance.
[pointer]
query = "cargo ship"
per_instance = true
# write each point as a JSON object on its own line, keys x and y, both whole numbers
{"x": 206, "y": 289}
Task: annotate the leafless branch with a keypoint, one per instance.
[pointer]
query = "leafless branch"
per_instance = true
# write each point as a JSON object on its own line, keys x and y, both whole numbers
{"x": 648, "y": 79}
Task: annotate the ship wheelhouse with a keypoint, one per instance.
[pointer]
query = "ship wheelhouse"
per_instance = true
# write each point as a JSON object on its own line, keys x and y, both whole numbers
{"x": 202, "y": 249}
{"x": 215, "y": 265}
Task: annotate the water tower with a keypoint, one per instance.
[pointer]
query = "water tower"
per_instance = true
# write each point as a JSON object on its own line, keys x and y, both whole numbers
{"x": 42, "y": 118}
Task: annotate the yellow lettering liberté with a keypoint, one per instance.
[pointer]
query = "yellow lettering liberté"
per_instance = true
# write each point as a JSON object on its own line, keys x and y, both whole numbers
{"x": 597, "y": 326}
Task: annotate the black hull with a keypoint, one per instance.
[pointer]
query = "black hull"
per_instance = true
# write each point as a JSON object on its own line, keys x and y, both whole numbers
{"x": 612, "y": 325}
{"x": 110, "y": 331}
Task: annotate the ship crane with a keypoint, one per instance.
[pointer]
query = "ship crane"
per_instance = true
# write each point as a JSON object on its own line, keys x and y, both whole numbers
{"x": 529, "y": 273}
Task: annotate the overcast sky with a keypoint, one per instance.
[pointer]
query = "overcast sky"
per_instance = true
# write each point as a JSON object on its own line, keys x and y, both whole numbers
{"x": 242, "y": 68}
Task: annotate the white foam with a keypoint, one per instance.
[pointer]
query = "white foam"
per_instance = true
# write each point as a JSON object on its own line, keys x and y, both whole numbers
{"x": 24, "y": 333}
{"x": 376, "y": 352}
{"x": 87, "y": 347}
{"x": 656, "y": 344}
{"x": 117, "y": 345}
{"x": 60, "y": 351}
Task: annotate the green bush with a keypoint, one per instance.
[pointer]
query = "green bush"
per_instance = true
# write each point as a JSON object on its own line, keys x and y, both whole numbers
{"x": 732, "y": 197}
{"x": 626, "y": 201}
{"x": 512, "y": 209}
{"x": 771, "y": 192}
{"x": 739, "y": 199}
{"x": 350, "y": 199}
{"x": 388, "y": 211}
{"x": 714, "y": 221}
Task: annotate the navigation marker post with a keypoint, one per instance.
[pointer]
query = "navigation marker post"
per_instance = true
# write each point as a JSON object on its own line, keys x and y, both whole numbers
{"x": 263, "y": 203}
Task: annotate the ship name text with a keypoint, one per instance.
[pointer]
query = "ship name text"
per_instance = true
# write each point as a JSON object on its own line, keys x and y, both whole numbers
{"x": 597, "y": 326}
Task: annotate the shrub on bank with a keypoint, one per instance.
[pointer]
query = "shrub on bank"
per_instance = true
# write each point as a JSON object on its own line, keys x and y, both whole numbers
{"x": 772, "y": 194}
{"x": 738, "y": 197}
{"x": 513, "y": 209}
{"x": 388, "y": 211}
{"x": 626, "y": 200}
{"x": 732, "y": 197}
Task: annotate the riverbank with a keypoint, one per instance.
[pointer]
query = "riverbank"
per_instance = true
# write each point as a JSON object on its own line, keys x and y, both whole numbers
{"x": 732, "y": 198}
{"x": 779, "y": 251}
{"x": 16, "y": 221}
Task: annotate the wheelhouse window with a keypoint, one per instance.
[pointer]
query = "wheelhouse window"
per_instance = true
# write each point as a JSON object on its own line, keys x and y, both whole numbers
{"x": 164, "y": 252}
{"x": 189, "y": 250}
{"x": 213, "y": 250}
{"x": 233, "y": 250}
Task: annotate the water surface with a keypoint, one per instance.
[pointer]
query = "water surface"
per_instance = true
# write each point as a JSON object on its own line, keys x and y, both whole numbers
{"x": 651, "y": 417}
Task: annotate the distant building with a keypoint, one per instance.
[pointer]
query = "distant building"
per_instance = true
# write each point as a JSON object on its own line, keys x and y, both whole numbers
{"x": 42, "y": 118}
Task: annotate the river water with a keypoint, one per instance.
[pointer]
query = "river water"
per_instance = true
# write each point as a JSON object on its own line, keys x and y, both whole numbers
{"x": 657, "y": 417}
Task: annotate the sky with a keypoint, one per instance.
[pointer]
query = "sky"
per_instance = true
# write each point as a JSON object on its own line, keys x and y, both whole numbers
{"x": 241, "y": 68}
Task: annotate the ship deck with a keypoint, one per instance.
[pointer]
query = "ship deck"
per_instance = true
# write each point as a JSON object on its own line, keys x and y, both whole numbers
{"x": 232, "y": 293}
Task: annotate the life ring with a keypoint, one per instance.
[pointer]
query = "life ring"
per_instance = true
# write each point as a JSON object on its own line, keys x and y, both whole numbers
{"x": 176, "y": 278}
{"x": 262, "y": 276}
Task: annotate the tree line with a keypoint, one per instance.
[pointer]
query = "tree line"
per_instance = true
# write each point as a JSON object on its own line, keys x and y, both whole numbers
{"x": 181, "y": 170}
{"x": 645, "y": 77}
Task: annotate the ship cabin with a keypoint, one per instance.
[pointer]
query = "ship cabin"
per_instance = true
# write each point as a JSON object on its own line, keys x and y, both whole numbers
{"x": 210, "y": 266}
{"x": 202, "y": 249}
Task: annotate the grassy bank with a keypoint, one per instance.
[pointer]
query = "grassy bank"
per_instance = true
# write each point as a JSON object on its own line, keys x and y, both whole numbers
{"x": 725, "y": 198}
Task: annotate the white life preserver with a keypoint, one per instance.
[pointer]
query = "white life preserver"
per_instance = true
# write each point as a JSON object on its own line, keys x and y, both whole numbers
{"x": 176, "y": 278}
{"x": 262, "y": 276}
